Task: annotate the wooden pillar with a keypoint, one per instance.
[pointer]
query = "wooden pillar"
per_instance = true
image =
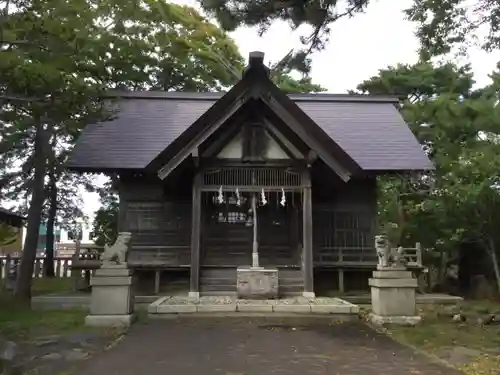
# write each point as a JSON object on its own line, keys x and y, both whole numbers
{"x": 341, "y": 281}
{"x": 307, "y": 227}
{"x": 122, "y": 207}
{"x": 157, "y": 281}
{"x": 194, "y": 288}
{"x": 122, "y": 216}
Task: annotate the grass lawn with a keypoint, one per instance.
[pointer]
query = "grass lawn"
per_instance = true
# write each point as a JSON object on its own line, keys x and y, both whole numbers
{"x": 439, "y": 335}
{"x": 51, "y": 285}
{"x": 28, "y": 328}
{"x": 48, "y": 285}
{"x": 18, "y": 322}
{"x": 21, "y": 323}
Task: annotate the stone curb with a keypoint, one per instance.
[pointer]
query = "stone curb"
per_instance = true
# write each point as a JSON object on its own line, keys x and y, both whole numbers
{"x": 292, "y": 308}
{"x": 216, "y": 308}
{"x": 175, "y": 309}
{"x": 335, "y": 307}
{"x": 254, "y": 308}
{"x": 153, "y": 307}
{"x": 332, "y": 309}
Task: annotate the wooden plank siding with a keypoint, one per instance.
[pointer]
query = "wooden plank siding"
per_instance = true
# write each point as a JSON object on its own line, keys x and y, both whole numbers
{"x": 344, "y": 219}
{"x": 343, "y": 229}
{"x": 161, "y": 228}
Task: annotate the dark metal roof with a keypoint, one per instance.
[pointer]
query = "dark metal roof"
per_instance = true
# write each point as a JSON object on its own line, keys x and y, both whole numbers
{"x": 217, "y": 95}
{"x": 369, "y": 128}
{"x": 11, "y": 218}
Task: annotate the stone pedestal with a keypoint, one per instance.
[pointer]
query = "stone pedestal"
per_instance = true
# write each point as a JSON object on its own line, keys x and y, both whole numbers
{"x": 393, "y": 297}
{"x": 111, "y": 301}
{"x": 257, "y": 282}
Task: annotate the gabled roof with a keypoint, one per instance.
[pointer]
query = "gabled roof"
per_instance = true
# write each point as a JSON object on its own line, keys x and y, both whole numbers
{"x": 256, "y": 87}
{"x": 11, "y": 218}
{"x": 369, "y": 129}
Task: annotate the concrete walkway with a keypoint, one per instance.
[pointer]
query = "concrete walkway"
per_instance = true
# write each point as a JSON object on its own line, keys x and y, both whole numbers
{"x": 258, "y": 346}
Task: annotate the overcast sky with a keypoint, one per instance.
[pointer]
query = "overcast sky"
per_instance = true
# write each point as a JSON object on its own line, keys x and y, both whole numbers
{"x": 358, "y": 48}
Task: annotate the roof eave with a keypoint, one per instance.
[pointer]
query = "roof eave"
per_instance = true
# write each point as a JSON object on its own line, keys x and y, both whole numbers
{"x": 190, "y": 139}
{"x": 400, "y": 170}
{"x": 11, "y": 218}
{"x": 345, "y": 160}
{"x": 97, "y": 170}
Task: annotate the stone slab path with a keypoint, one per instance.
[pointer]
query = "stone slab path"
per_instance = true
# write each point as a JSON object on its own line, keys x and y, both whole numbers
{"x": 258, "y": 346}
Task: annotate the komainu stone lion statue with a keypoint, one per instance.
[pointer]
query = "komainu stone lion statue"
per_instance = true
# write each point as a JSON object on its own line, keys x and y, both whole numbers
{"x": 388, "y": 257}
{"x": 117, "y": 253}
{"x": 383, "y": 251}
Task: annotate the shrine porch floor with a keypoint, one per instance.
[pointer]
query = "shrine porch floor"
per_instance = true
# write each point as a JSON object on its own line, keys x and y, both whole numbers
{"x": 255, "y": 346}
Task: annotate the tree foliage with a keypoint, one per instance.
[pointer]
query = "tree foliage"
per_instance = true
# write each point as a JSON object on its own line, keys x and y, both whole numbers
{"x": 56, "y": 60}
{"x": 105, "y": 225}
{"x": 318, "y": 14}
{"x": 447, "y": 24}
{"x": 58, "y": 57}
{"x": 459, "y": 128}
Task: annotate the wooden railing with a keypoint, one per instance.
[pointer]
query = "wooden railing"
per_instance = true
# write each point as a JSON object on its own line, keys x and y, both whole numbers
{"x": 413, "y": 255}
{"x": 156, "y": 256}
{"x": 362, "y": 256}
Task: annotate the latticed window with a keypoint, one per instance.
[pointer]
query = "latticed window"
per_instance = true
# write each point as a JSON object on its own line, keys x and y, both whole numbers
{"x": 252, "y": 176}
{"x": 232, "y": 217}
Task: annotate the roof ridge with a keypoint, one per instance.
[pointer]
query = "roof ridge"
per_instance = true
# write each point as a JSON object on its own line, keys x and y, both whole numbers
{"x": 213, "y": 96}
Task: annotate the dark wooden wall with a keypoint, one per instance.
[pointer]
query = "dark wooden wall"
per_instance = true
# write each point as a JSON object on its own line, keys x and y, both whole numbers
{"x": 227, "y": 232}
{"x": 160, "y": 222}
{"x": 343, "y": 225}
{"x": 344, "y": 217}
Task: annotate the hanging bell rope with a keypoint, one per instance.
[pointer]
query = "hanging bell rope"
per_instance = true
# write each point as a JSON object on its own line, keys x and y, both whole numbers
{"x": 238, "y": 198}
{"x": 263, "y": 197}
{"x": 220, "y": 198}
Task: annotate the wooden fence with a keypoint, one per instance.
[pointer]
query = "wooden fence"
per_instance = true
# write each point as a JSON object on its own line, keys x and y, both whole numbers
{"x": 62, "y": 265}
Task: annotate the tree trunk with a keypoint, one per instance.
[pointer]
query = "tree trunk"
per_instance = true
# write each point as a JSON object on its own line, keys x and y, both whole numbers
{"x": 402, "y": 214}
{"x": 23, "y": 282}
{"x": 48, "y": 265}
{"x": 493, "y": 254}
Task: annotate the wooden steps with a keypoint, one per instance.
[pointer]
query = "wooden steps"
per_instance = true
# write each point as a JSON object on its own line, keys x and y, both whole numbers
{"x": 218, "y": 280}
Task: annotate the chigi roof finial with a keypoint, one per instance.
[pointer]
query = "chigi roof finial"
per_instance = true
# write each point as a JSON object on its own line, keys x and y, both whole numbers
{"x": 255, "y": 58}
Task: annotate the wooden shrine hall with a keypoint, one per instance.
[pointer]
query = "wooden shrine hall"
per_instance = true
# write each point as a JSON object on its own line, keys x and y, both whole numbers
{"x": 209, "y": 182}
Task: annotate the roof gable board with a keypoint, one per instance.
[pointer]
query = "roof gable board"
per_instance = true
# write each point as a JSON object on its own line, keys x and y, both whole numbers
{"x": 322, "y": 152}
{"x": 234, "y": 149}
{"x": 189, "y": 141}
{"x": 256, "y": 85}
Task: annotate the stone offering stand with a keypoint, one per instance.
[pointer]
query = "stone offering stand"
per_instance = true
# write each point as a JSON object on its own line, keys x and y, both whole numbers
{"x": 227, "y": 304}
